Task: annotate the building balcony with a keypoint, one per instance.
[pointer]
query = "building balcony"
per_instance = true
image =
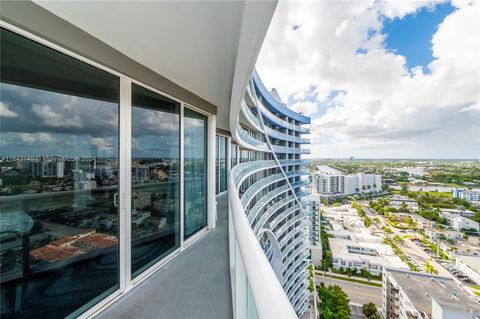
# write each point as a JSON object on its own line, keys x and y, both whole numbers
{"x": 189, "y": 282}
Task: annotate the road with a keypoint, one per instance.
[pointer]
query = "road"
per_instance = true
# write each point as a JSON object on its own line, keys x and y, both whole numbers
{"x": 357, "y": 293}
{"x": 417, "y": 253}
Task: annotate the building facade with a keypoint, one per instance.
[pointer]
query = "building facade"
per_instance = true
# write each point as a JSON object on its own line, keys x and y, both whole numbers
{"x": 148, "y": 133}
{"x": 472, "y": 195}
{"x": 413, "y": 295}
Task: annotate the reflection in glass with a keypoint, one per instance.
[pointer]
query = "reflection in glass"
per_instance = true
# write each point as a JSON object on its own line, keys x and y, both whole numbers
{"x": 221, "y": 164}
{"x": 155, "y": 178}
{"x": 58, "y": 179}
{"x": 195, "y": 153}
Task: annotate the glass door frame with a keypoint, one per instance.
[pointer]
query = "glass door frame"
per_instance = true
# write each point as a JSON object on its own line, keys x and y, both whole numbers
{"x": 125, "y": 281}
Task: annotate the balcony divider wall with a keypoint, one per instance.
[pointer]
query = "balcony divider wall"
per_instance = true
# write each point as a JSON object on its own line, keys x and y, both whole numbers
{"x": 99, "y": 188}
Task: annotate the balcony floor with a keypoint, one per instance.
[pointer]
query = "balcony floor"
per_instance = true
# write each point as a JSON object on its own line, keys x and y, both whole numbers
{"x": 195, "y": 284}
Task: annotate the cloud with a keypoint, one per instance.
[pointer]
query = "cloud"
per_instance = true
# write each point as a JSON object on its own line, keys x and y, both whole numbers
{"x": 305, "y": 107}
{"x": 101, "y": 143}
{"x": 5, "y": 111}
{"x": 381, "y": 108}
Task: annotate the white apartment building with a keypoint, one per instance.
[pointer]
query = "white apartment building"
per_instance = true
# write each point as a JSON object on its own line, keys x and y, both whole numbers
{"x": 470, "y": 266}
{"x": 347, "y": 253}
{"x": 337, "y": 184}
{"x": 408, "y": 295}
{"x": 48, "y": 169}
{"x": 312, "y": 209}
{"x": 459, "y": 222}
{"x": 472, "y": 195}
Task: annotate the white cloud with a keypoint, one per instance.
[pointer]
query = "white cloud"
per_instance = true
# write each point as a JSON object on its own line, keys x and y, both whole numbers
{"x": 385, "y": 109}
{"x": 305, "y": 107}
{"x": 5, "y": 111}
{"x": 101, "y": 143}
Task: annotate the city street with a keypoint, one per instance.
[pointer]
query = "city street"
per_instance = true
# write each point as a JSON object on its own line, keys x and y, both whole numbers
{"x": 417, "y": 253}
{"x": 357, "y": 293}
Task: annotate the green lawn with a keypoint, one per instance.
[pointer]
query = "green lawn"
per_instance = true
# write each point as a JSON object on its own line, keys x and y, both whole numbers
{"x": 364, "y": 282}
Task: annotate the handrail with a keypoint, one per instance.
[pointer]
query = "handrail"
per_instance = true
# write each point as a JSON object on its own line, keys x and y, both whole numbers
{"x": 269, "y": 297}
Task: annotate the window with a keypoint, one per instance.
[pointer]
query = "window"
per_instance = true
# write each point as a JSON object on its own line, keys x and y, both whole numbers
{"x": 155, "y": 218}
{"x": 221, "y": 164}
{"x": 59, "y": 171}
{"x": 195, "y": 173}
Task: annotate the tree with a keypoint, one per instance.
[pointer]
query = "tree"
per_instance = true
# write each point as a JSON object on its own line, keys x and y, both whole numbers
{"x": 404, "y": 207}
{"x": 370, "y": 310}
{"x": 333, "y": 300}
{"x": 387, "y": 231}
{"x": 398, "y": 241}
{"x": 429, "y": 268}
{"x": 404, "y": 188}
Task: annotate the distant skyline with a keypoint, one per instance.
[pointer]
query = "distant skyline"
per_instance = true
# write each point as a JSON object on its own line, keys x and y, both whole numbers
{"x": 389, "y": 79}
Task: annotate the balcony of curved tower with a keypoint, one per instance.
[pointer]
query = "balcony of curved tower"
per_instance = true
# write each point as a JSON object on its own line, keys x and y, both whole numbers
{"x": 286, "y": 137}
{"x": 290, "y": 150}
{"x": 247, "y": 140}
{"x": 275, "y": 106}
{"x": 275, "y": 120}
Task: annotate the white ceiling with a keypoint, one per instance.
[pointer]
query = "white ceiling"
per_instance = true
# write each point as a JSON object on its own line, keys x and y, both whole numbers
{"x": 193, "y": 44}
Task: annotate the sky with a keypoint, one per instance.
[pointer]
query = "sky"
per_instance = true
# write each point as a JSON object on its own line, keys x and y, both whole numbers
{"x": 380, "y": 79}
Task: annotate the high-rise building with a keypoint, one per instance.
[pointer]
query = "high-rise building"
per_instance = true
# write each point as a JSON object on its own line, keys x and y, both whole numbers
{"x": 194, "y": 208}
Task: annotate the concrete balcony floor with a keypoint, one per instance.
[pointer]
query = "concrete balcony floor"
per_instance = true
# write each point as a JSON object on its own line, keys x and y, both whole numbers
{"x": 195, "y": 284}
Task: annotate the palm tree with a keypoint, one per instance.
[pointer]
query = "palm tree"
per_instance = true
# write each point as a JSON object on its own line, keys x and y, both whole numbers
{"x": 429, "y": 268}
{"x": 387, "y": 231}
{"x": 398, "y": 241}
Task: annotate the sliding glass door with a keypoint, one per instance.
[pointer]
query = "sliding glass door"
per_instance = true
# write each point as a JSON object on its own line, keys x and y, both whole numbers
{"x": 155, "y": 189}
{"x": 59, "y": 178}
{"x": 73, "y": 155}
{"x": 195, "y": 171}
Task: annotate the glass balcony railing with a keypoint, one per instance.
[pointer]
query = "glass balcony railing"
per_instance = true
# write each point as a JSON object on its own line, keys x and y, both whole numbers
{"x": 251, "y": 142}
{"x": 265, "y": 200}
{"x": 256, "y": 290}
{"x": 251, "y": 118}
{"x": 286, "y": 137}
{"x": 294, "y": 162}
{"x": 245, "y": 169}
{"x": 269, "y": 212}
{"x": 260, "y": 184}
{"x": 290, "y": 150}
{"x": 284, "y": 214}
{"x": 280, "y": 122}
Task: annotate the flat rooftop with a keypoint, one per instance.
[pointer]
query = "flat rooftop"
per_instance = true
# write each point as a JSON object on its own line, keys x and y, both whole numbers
{"x": 384, "y": 257}
{"x": 421, "y": 288}
{"x": 472, "y": 262}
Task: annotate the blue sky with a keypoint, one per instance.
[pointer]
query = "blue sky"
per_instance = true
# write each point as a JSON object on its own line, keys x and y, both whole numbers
{"x": 352, "y": 67}
{"x": 411, "y": 35}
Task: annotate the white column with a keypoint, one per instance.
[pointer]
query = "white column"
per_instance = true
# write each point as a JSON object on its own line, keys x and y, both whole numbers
{"x": 211, "y": 200}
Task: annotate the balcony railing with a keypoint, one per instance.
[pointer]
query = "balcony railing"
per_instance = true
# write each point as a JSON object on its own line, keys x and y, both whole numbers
{"x": 250, "y": 142}
{"x": 256, "y": 290}
{"x": 283, "y": 136}
{"x": 290, "y": 150}
{"x": 280, "y": 122}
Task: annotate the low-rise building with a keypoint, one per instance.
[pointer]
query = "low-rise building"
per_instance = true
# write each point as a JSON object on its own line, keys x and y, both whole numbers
{"x": 461, "y": 212}
{"x": 409, "y": 295}
{"x": 347, "y": 253}
{"x": 470, "y": 266}
{"x": 472, "y": 195}
{"x": 459, "y": 222}
{"x": 423, "y": 223}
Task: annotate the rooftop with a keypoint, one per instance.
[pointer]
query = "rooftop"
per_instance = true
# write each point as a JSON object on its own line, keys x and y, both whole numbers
{"x": 384, "y": 257}
{"x": 472, "y": 262}
{"x": 422, "y": 288}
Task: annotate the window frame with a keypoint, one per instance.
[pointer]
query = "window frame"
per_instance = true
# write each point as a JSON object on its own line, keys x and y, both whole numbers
{"x": 126, "y": 282}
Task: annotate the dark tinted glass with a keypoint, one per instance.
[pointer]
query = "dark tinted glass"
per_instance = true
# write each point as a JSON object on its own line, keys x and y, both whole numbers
{"x": 155, "y": 177}
{"x": 59, "y": 176}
